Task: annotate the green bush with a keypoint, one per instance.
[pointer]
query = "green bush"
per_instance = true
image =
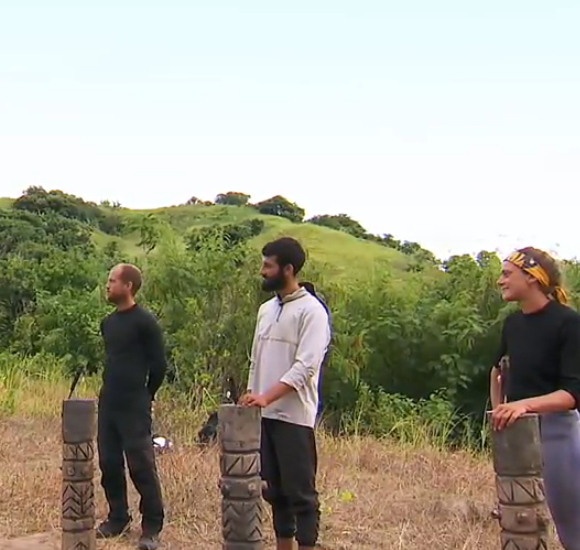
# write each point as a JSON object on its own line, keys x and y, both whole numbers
{"x": 406, "y": 351}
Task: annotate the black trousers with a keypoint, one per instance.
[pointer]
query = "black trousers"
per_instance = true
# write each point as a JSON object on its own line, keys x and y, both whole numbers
{"x": 289, "y": 464}
{"x": 126, "y": 432}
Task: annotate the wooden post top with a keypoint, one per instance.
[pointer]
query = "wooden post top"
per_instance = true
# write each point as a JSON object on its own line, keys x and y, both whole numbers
{"x": 526, "y": 415}
{"x": 239, "y": 428}
{"x": 79, "y": 420}
{"x": 517, "y": 448}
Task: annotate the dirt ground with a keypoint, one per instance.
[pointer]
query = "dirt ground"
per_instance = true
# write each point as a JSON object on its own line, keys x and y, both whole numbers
{"x": 373, "y": 495}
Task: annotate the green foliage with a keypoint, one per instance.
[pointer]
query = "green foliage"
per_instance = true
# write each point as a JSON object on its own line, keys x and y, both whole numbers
{"x": 407, "y": 349}
{"x": 343, "y": 255}
{"x": 233, "y": 198}
{"x": 40, "y": 201}
{"x": 230, "y": 235}
{"x": 281, "y": 206}
{"x": 341, "y": 222}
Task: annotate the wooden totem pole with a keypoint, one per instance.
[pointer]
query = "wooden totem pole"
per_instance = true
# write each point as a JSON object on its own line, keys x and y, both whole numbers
{"x": 517, "y": 461}
{"x": 78, "y": 452}
{"x": 240, "y": 484}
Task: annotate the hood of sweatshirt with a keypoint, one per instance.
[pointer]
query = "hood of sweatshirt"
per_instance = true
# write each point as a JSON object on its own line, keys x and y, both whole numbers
{"x": 296, "y": 295}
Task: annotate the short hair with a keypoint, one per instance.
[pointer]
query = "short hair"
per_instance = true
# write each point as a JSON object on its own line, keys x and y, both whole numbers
{"x": 131, "y": 274}
{"x": 287, "y": 251}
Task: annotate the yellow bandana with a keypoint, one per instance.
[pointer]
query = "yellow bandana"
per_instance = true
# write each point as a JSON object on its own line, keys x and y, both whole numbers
{"x": 531, "y": 266}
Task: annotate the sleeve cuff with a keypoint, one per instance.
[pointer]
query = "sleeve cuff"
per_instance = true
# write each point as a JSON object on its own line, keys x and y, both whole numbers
{"x": 292, "y": 381}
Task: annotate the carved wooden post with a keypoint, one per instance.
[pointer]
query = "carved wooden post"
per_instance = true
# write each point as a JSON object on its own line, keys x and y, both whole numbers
{"x": 240, "y": 484}
{"x": 78, "y": 452}
{"x": 517, "y": 461}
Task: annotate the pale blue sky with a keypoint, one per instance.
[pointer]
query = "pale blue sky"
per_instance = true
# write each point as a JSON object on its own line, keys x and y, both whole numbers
{"x": 455, "y": 124}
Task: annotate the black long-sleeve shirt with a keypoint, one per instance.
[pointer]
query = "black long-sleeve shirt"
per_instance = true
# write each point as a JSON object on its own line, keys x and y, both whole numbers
{"x": 135, "y": 364}
{"x": 544, "y": 352}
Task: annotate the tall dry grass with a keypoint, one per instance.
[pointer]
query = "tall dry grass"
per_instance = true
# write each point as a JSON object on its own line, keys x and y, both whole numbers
{"x": 375, "y": 494}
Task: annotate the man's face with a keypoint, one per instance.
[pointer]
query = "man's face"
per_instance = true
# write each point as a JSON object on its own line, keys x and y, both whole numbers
{"x": 117, "y": 289}
{"x": 274, "y": 277}
{"x": 514, "y": 283}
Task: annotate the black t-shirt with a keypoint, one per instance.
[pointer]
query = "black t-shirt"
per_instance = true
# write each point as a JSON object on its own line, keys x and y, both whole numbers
{"x": 135, "y": 363}
{"x": 544, "y": 352}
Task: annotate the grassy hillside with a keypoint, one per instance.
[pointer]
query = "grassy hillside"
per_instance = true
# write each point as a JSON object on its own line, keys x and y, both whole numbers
{"x": 336, "y": 252}
{"x": 5, "y": 202}
{"x": 339, "y": 251}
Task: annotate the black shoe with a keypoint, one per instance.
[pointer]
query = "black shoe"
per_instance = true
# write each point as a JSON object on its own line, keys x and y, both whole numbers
{"x": 148, "y": 542}
{"x": 110, "y": 529}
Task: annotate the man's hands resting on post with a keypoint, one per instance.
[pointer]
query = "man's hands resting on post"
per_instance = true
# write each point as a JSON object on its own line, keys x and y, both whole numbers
{"x": 253, "y": 400}
{"x": 264, "y": 399}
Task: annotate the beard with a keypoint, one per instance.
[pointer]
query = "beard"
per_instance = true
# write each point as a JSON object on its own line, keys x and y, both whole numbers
{"x": 273, "y": 284}
{"x": 113, "y": 298}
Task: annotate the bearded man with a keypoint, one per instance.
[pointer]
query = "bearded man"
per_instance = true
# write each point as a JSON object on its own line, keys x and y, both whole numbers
{"x": 291, "y": 338}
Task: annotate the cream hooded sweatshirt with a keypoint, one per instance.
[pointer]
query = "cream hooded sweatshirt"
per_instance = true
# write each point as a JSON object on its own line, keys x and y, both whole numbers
{"x": 290, "y": 340}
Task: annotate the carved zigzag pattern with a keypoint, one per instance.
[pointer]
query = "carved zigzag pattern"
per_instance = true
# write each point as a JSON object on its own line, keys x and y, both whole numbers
{"x": 79, "y": 451}
{"x": 242, "y": 521}
{"x": 78, "y": 500}
{"x": 240, "y": 465}
{"x": 524, "y": 544}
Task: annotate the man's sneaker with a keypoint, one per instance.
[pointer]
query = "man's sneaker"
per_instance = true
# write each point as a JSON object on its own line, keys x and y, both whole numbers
{"x": 148, "y": 542}
{"x": 110, "y": 529}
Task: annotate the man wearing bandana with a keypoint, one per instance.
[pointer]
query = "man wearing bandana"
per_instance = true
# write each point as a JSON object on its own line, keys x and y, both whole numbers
{"x": 542, "y": 342}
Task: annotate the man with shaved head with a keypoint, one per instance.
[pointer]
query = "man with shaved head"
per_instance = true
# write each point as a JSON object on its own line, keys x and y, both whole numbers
{"x": 134, "y": 370}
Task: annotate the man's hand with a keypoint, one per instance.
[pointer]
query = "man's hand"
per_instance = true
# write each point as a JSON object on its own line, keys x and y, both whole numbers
{"x": 244, "y": 398}
{"x": 506, "y": 414}
{"x": 278, "y": 390}
{"x": 254, "y": 400}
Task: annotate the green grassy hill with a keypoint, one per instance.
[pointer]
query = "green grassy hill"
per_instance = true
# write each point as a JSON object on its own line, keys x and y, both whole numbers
{"x": 338, "y": 253}
{"x": 5, "y": 202}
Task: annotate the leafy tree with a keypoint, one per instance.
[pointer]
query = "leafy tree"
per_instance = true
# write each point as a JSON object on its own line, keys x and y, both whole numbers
{"x": 150, "y": 231}
{"x": 229, "y": 235}
{"x": 232, "y": 198}
{"x": 281, "y": 206}
{"x": 39, "y": 201}
{"x": 341, "y": 222}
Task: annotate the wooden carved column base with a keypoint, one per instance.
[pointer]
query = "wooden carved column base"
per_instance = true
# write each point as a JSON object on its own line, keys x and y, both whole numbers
{"x": 78, "y": 494}
{"x": 522, "y": 512}
{"x": 240, "y": 484}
